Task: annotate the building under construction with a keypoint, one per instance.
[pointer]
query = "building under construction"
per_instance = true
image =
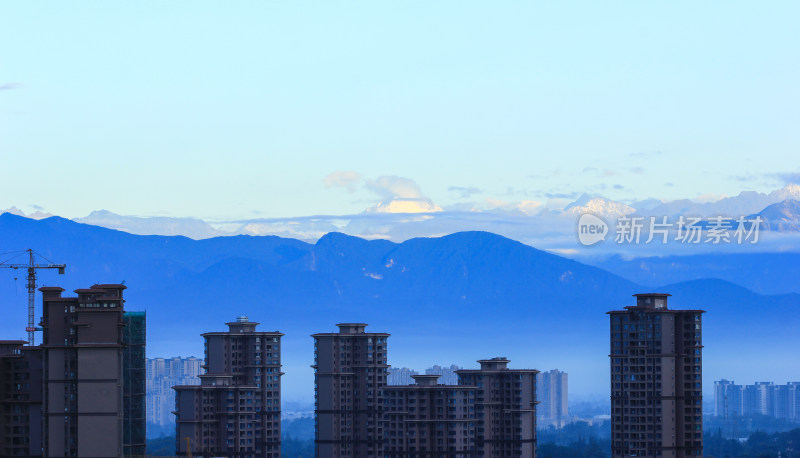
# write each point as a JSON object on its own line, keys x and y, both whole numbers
{"x": 81, "y": 392}
{"x": 134, "y": 383}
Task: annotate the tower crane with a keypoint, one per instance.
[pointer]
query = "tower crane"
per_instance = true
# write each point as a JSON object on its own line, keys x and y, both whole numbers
{"x": 32, "y": 266}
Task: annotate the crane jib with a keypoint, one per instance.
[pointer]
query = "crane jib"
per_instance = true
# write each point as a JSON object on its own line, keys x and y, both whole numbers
{"x": 32, "y": 266}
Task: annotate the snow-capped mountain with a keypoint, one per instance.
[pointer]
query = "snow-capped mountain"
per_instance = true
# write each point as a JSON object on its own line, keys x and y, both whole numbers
{"x": 746, "y": 203}
{"x": 35, "y": 215}
{"x": 790, "y": 191}
{"x": 400, "y": 219}
{"x": 782, "y": 217}
{"x": 156, "y": 225}
{"x": 600, "y": 206}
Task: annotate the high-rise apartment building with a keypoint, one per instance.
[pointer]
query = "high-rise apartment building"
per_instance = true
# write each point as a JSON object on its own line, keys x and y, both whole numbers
{"x": 236, "y": 409}
{"x": 428, "y": 419}
{"x": 400, "y": 376}
{"x": 490, "y": 412}
{"x": 551, "y": 390}
{"x": 505, "y": 408}
{"x": 350, "y": 373}
{"x": 93, "y": 360}
{"x": 20, "y": 399}
{"x": 447, "y": 374}
{"x": 787, "y": 401}
{"x": 656, "y": 379}
{"x": 134, "y": 383}
{"x": 727, "y": 398}
{"x": 81, "y": 391}
{"x": 162, "y": 375}
{"x": 761, "y": 398}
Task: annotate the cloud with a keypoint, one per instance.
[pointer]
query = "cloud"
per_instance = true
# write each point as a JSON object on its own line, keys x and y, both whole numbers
{"x": 530, "y": 207}
{"x": 599, "y": 173}
{"x": 402, "y": 205}
{"x": 391, "y": 187}
{"x": 496, "y": 203}
{"x": 464, "y": 192}
{"x": 636, "y": 170}
{"x": 742, "y": 178}
{"x": 788, "y": 177}
{"x": 553, "y": 173}
{"x": 669, "y": 185}
{"x": 344, "y": 178}
{"x": 36, "y": 207}
{"x": 395, "y": 194}
{"x": 646, "y": 154}
{"x": 562, "y": 195}
{"x": 619, "y": 186}
{"x": 9, "y": 86}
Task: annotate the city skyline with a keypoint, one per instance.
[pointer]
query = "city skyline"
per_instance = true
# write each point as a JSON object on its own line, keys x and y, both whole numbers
{"x": 669, "y": 339}
{"x": 263, "y": 196}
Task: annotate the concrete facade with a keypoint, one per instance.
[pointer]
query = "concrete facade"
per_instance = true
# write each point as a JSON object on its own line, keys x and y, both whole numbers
{"x": 505, "y": 408}
{"x": 236, "y": 409}
{"x": 350, "y": 373}
{"x": 656, "y": 379}
{"x": 429, "y": 420}
{"x": 20, "y": 399}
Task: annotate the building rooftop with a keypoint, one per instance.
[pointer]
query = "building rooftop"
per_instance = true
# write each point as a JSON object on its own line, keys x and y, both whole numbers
{"x": 653, "y": 302}
{"x": 51, "y": 288}
{"x": 351, "y": 328}
{"x": 426, "y": 379}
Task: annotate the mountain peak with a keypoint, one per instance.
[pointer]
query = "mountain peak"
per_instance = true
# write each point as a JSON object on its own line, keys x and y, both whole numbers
{"x": 35, "y": 215}
{"x": 582, "y": 200}
{"x": 602, "y": 207}
{"x": 783, "y": 216}
{"x": 790, "y": 191}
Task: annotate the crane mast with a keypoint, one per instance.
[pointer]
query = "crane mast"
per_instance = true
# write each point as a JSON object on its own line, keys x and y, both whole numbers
{"x": 31, "y": 267}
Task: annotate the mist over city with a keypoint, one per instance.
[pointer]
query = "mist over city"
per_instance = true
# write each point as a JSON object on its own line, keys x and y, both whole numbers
{"x": 409, "y": 229}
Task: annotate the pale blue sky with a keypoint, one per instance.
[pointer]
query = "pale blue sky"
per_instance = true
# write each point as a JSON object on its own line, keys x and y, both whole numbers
{"x": 225, "y": 109}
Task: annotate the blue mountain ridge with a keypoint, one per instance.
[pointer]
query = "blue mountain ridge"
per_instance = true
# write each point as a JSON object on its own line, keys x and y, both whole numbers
{"x": 450, "y": 299}
{"x": 764, "y": 273}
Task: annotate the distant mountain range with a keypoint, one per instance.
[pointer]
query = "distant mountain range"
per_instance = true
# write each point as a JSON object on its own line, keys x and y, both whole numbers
{"x": 190, "y": 227}
{"x": 763, "y": 273}
{"x": 457, "y": 298}
{"x": 402, "y": 219}
{"x": 782, "y": 217}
